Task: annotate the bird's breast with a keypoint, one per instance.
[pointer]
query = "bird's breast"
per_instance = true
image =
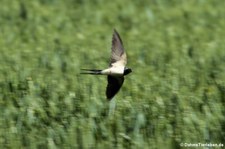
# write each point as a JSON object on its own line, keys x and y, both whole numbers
{"x": 114, "y": 71}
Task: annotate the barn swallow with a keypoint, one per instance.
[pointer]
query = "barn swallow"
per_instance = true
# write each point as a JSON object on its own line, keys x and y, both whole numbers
{"x": 117, "y": 67}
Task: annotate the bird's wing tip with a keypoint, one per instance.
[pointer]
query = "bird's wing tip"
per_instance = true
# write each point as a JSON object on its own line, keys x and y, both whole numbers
{"x": 115, "y": 31}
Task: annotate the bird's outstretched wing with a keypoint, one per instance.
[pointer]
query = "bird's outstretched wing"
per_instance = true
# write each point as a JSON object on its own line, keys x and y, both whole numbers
{"x": 114, "y": 85}
{"x": 118, "y": 55}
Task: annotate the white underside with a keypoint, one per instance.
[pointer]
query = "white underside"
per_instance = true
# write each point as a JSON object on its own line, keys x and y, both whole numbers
{"x": 114, "y": 71}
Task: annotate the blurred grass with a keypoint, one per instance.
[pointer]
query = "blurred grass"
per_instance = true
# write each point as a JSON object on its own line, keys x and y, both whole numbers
{"x": 176, "y": 93}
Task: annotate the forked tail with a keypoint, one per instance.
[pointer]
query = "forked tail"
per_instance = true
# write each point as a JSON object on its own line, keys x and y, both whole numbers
{"x": 91, "y": 71}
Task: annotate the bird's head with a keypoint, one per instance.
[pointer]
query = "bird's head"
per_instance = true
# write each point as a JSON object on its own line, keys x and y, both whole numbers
{"x": 127, "y": 71}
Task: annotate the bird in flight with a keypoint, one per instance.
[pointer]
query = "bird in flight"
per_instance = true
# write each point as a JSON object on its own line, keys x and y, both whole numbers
{"x": 117, "y": 67}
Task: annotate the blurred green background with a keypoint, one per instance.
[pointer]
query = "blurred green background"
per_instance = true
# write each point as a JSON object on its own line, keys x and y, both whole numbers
{"x": 176, "y": 93}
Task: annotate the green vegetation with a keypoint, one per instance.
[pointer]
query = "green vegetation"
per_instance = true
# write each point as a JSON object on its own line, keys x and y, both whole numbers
{"x": 176, "y": 93}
